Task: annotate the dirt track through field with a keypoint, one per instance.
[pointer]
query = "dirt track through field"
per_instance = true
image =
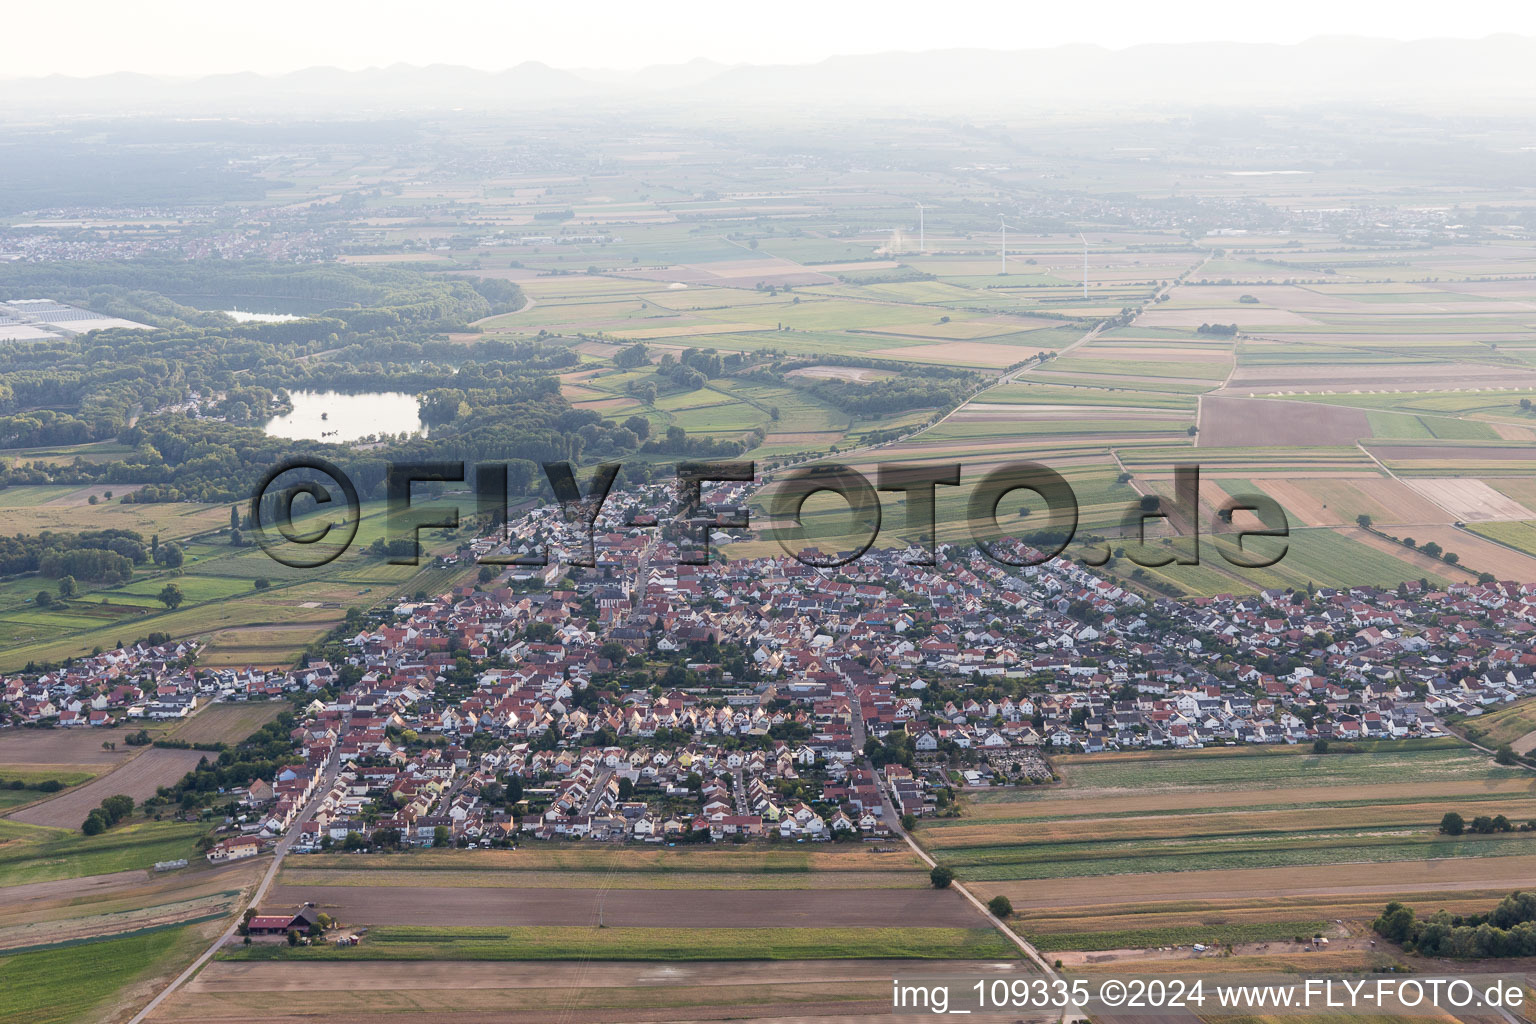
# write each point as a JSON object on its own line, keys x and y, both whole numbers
{"x": 433, "y": 905}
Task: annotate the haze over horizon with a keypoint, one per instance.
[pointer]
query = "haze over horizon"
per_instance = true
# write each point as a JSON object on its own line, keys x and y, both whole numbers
{"x": 183, "y": 39}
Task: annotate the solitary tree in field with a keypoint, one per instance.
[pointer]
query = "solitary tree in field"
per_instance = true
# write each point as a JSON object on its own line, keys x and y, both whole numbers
{"x": 1363, "y": 521}
{"x": 941, "y": 877}
{"x": 999, "y": 906}
{"x": 171, "y": 596}
{"x": 1452, "y": 824}
{"x": 170, "y": 555}
{"x": 1505, "y": 755}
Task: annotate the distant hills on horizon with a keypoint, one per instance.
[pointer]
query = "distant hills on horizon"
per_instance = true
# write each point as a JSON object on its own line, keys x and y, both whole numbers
{"x": 1489, "y": 73}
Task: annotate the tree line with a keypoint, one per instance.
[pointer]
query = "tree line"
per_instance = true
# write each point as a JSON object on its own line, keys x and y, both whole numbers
{"x": 1506, "y": 931}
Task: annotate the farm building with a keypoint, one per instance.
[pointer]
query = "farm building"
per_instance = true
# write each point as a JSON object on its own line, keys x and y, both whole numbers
{"x": 302, "y": 920}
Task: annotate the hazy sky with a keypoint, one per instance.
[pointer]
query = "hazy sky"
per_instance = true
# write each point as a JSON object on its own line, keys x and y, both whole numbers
{"x": 182, "y": 37}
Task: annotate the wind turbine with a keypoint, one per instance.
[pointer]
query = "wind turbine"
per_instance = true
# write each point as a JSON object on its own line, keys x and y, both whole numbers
{"x": 1085, "y": 264}
{"x": 1002, "y": 252}
{"x": 922, "y": 239}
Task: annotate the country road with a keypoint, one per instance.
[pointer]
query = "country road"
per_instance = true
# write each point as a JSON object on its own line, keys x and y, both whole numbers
{"x": 332, "y": 769}
{"x": 893, "y": 822}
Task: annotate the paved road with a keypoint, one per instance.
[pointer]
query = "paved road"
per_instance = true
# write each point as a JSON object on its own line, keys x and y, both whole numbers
{"x": 739, "y": 791}
{"x": 332, "y": 769}
{"x": 598, "y": 786}
{"x": 893, "y": 822}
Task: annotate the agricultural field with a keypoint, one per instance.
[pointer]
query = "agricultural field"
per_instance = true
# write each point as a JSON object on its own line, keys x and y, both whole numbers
{"x": 791, "y": 895}
{"x": 1514, "y": 725}
{"x": 74, "y": 757}
{"x": 830, "y": 991}
{"x": 810, "y": 930}
{"x": 571, "y": 906}
{"x": 651, "y": 943}
{"x": 1521, "y": 535}
{"x": 226, "y": 722}
{"x": 82, "y": 751}
{"x": 37, "y": 914}
{"x": 598, "y": 867}
{"x": 239, "y": 622}
{"x": 139, "y": 777}
{"x": 1332, "y": 351}
{"x": 1305, "y": 403}
{"x": 92, "y": 981}
{"x": 39, "y": 853}
{"x": 1247, "y": 847}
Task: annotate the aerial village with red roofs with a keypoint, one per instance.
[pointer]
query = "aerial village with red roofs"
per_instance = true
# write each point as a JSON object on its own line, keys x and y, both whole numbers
{"x": 646, "y": 700}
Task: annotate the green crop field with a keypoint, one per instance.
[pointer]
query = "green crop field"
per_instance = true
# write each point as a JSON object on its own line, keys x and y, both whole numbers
{"x": 73, "y": 983}
{"x": 1520, "y": 535}
{"x": 35, "y": 853}
{"x": 569, "y": 943}
{"x": 1300, "y": 849}
{"x": 1271, "y": 768}
{"x": 1223, "y": 934}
